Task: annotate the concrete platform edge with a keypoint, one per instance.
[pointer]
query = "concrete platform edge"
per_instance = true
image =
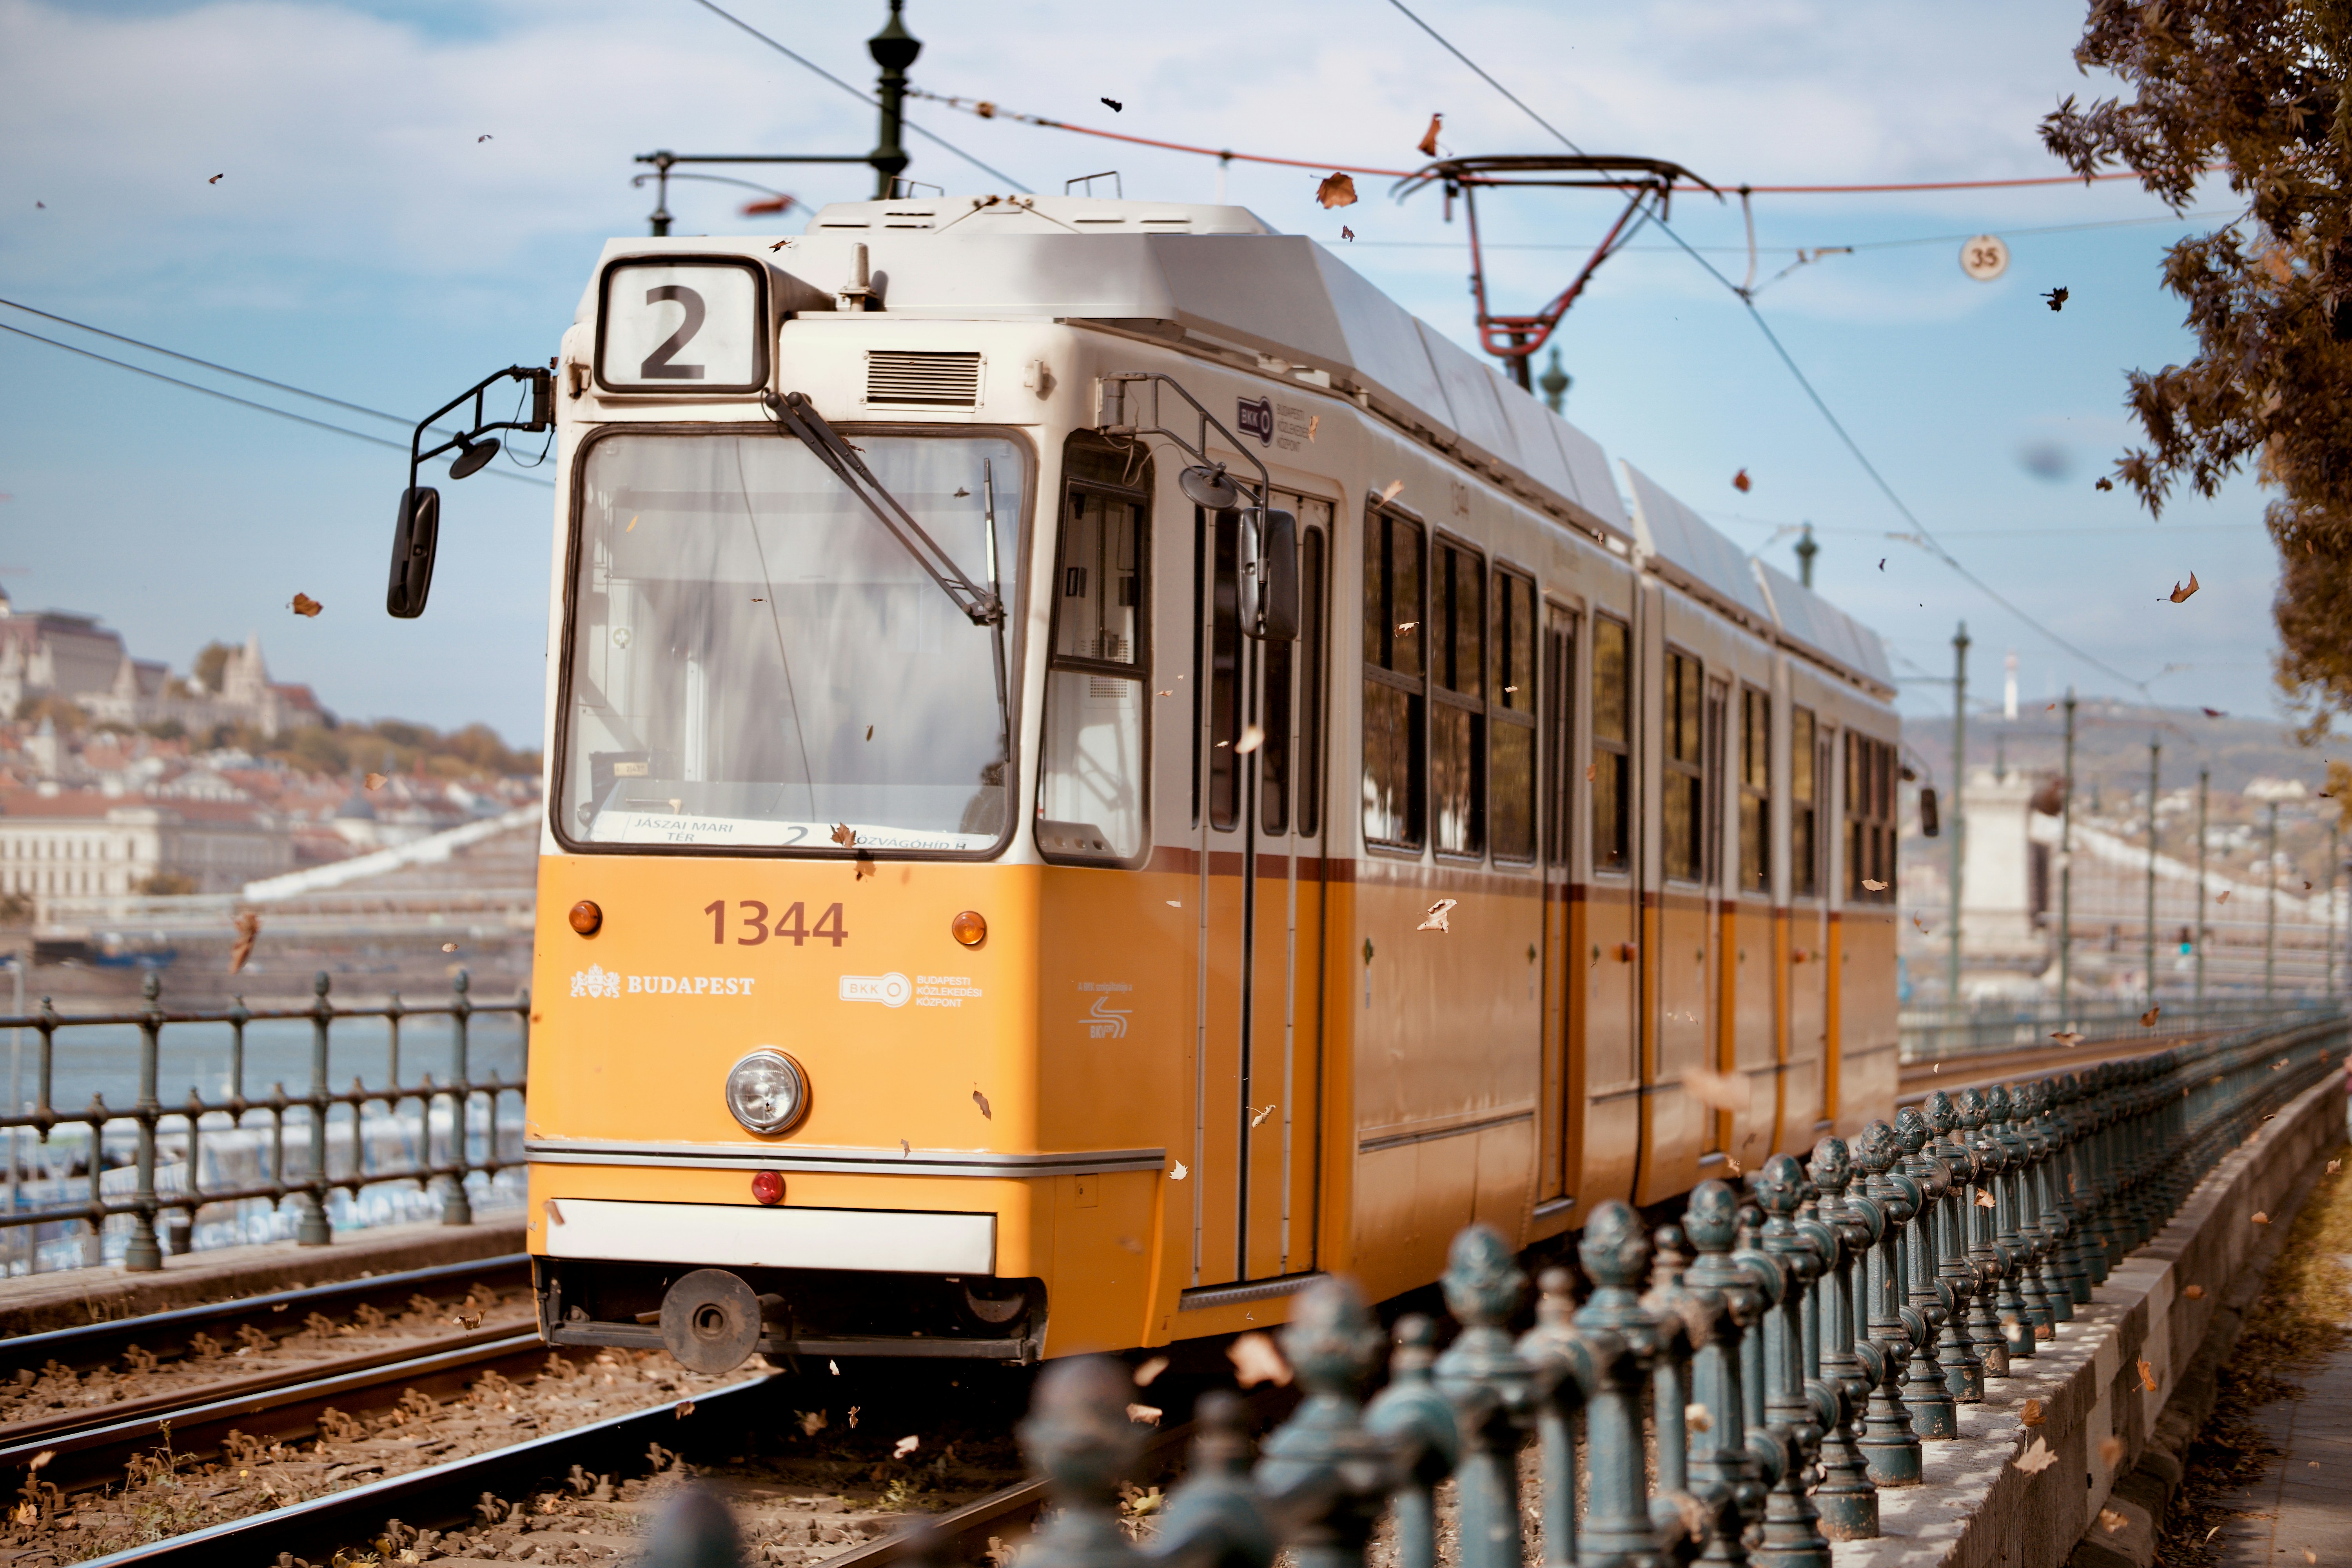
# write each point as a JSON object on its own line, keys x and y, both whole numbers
{"x": 36, "y": 1303}
{"x": 1978, "y": 1510}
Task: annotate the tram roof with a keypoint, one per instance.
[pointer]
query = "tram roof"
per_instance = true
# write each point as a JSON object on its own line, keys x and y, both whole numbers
{"x": 1220, "y": 274}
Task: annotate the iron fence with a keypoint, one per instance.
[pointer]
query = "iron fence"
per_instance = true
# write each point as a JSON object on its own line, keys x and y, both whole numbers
{"x": 158, "y": 1166}
{"x": 1932, "y": 1034}
{"x": 1799, "y": 1348}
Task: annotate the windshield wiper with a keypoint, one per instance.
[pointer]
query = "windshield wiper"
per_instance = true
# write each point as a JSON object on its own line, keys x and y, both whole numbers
{"x": 793, "y": 411}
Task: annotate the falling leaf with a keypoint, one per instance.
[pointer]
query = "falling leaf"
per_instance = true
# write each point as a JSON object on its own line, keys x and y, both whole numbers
{"x": 1742, "y": 482}
{"x": 1150, "y": 1370}
{"x": 1144, "y": 1414}
{"x": 1177, "y": 1172}
{"x": 2031, "y": 1414}
{"x": 1406, "y": 628}
{"x": 2310, "y": 1557}
{"x": 1435, "y": 921}
{"x": 845, "y": 836}
{"x": 1592, "y": 770}
{"x": 1874, "y": 887}
{"x": 853, "y": 1415}
{"x": 2260, "y": 1218}
{"x": 448, "y": 947}
{"x": 2112, "y": 1521}
{"x": 1731, "y": 1163}
{"x": 2195, "y": 1292}
{"x": 1337, "y": 190}
{"x": 1723, "y": 1091}
{"x": 813, "y": 1421}
{"x": 1882, "y": 564}
{"x": 1255, "y": 1361}
{"x": 41, "y": 1459}
{"x": 1393, "y": 490}
{"x": 479, "y": 139}
{"x": 1984, "y": 1198}
{"x": 2222, "y": 896}
{"x": 2147, "y": 1019}
{"x": 215, "y": 180}
{"x": 248, "y": 931}
{"x": 905, "y": 1149}
{"x": 2217, "y": 714}
{"x": 2334, "y": 1166}
{"x": 1345, "y": 233}
{"x": 307, "y": 606}
{"x": 2146, "y": 1376}
{"x": 1257, "y": 1116}
{"x": 870, "y": 732}
{"x": 1428, "y": 143}
{"x": 904, "y": 1446}
{"x": 377, "y": 781}
{"x": 1695, "y": 1418}
{"x": 1115, "y": 106}
{"x": 2181, "y": 594}
{"x": 683, "y": 1408}
{"x": 982, "y": 1100}
{"x": 2111, "y": 1451}
{"x": 2038, "y": 1456}
{"x": 2103, "y": 484}
{"x": 1175, "y": 903}
{"x": 1313, "y": 420}
{"x": 2068, "y": 1037}
{"x": 1937, "y": 1067}
{"x": 865, "y": 866}
{"x": 1252, "y": 739}
{"x": 2057, "y": 298}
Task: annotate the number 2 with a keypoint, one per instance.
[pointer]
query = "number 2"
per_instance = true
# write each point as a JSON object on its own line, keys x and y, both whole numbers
{"x": 659, "y": 365}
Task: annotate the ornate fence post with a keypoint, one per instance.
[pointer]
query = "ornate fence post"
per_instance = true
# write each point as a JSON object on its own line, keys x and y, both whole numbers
{"x": 1680, "y": 1318}
{"x": 1963, "y": 1372}
{"x": 1493, "y": 1391}
{"x": 1889, "y": 1442}
{"x": 2039, "y": 1287}
{"x": 1985, "y": 1259}
{"x": 2071, "y": 1280}
{"x": 1077, "y": 1435}
{"x": 1792, "y": 1536}
{"x": 1324, "y": 1474}
{"x": 1724, "y": 1471}
{"x": 1425, "y": 1441}
{"x": 1925, "y": 1388}
{"x": 312, "y": 1230}
{"x": 1846, "y": 1500}
{"x": 1216, "y": 1520}
{"x": 143, "y": 1256}
{"x": 2016, "y": 1325}
{"x": 2101, "y": 1092}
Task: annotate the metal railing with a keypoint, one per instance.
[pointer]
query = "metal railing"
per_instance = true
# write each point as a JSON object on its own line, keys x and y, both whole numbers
{"x": 1930, "y": 1034}
{"x": 1799, "y": 1348}
{"x": 146, "y": 1163}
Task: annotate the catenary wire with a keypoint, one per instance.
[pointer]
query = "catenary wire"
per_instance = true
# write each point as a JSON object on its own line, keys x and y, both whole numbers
{"x": 859, "y": 93}
{"x": 248, "y": 403}
{"x": 1926, "y": 537}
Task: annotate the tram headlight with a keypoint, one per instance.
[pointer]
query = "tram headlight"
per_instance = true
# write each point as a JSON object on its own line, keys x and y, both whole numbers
{"x": 767, "y": 1091}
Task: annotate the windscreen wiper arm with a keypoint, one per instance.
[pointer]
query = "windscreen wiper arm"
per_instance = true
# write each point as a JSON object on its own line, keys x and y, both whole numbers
{"x": 797, "y": 415}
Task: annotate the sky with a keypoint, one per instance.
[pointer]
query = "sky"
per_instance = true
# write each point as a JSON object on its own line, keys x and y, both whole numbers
{"x": 411, "y": 195}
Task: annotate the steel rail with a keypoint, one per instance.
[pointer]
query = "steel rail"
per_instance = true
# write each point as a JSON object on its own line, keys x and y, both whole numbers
{"x": 168, "y": 1333}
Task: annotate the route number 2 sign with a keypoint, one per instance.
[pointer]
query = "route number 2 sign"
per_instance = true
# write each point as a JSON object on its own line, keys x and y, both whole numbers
{"x": 684, "y": 325}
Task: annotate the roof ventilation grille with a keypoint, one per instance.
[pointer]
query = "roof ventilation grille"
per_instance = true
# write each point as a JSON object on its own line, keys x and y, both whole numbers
{"x": 906, "y": 379}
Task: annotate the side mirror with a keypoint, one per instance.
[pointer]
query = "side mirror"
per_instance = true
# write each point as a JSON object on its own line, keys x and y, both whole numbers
{"x": 1930, "y": 823}
{"x": 1278, "y": 578}
{"x": 414, "y": 537}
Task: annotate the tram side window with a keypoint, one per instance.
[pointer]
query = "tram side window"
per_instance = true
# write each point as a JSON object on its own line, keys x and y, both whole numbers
{"x": 1314, "y": 586}
{"x": 1804, "y": 838}
{"x": 1558, "y": 736}
{"x": 1511, "y": 719}
{"x": 1718, "y": 700}
{"x": 1395, "y": 688}
{"x": 1457, "y": 738}
{"x": 1090, "y": 803}
{"x": 1870, "y": 819}
{"x": 1685, "y": 784}
{"x": 1612, "y": 713}
{"x": 1289, "y": 668}
{"x": 1755, "y": 791}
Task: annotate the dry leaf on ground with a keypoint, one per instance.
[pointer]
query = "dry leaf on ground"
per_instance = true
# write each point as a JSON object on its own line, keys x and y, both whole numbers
{"x": 1255, "y": 1361}
{"x": 1337, "y": 190}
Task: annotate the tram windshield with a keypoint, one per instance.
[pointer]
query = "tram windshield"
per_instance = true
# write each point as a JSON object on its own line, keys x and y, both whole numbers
{"x": 756, "y": 661}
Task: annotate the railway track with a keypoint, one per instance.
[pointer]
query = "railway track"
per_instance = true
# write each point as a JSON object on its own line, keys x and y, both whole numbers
{"x": 1978, "y": 1070}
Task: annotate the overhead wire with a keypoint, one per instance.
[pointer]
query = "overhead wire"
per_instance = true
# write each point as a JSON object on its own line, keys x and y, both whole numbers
{"x": 1924, "y": 537}
{"x": 858, "y": 93}
{"x": 249, "y": 403}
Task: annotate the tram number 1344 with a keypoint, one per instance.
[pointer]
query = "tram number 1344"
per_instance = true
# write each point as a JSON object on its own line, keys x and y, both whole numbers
{"x": 757, "y": 928}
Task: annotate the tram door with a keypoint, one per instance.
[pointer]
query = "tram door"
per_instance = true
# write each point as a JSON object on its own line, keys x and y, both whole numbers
{"x": 1260, "y": 770}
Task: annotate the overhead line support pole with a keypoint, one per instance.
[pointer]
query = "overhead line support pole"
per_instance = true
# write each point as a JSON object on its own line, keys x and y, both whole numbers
{"x": 1960, "y": 795}
{"x": 2147, "y": 959}
{"x": 2066, "y": 877}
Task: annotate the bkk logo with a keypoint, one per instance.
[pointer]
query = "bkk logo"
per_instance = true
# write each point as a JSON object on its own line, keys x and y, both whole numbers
{"x": 1104, "y": 1021}
{"x": 1257, "y": 419}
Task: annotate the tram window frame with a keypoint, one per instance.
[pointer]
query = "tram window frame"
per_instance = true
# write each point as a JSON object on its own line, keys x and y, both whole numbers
{"x": 1870, "y": 819}
{"x": 1457, "y": 708}
{"x": 1682, "y": 756}
{"x": 1717, "y": 717}
{"x": 1514, "y": 691}
{"x": 1076, "y": 487}
{"x": 1288, "y": 666}
{"x": 1314, "y": 666}
{"x": 1558, "y": 773}
{"x": 1755, "y": 790}
{"x": 1805, "y": 787}
{"x": 1226, "y": 695}
{"x": 1612, "y": 767}
{"x": 1022, "y": 504}
{"x": 1407, "y": 690}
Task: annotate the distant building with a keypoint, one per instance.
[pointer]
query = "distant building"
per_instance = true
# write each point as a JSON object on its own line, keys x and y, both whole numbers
{"x": 83, "y": 844}
{"x": 54, "y": 653}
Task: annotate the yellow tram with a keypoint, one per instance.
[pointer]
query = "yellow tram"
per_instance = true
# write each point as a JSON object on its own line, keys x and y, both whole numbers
{"x": 1100, "y": 770}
